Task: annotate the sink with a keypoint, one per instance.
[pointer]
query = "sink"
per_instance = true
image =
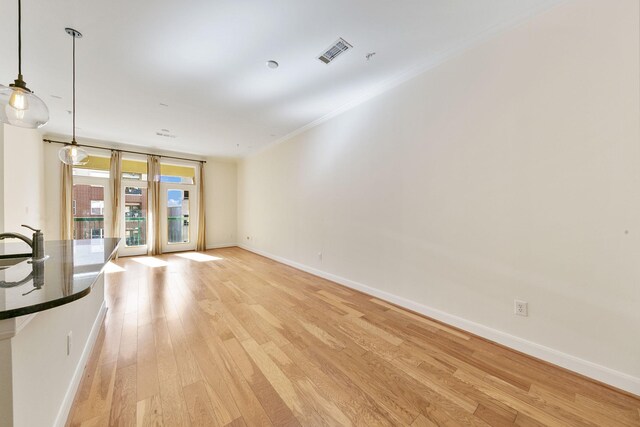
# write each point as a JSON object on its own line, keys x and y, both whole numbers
{"x": 7, "y": 261}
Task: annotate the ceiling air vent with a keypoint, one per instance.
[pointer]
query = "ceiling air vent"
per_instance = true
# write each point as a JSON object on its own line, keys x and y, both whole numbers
{"x": 165, "y": 134}
{"x": 340, "y": 46}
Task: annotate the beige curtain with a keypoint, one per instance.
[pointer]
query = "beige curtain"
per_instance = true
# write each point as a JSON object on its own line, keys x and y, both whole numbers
{"x": 153, "y": 233}
{"x": 66, "y": 269}
{"x": 66, "y": 202}
{"x": 115, "y": 181}
{"x": 201, "y": 243}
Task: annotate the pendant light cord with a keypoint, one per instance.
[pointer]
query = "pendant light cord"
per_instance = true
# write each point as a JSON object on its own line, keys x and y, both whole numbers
{"x": 19, "y": 82}
{"x": 73, "y": 140}
{"x": 20, "y": 39}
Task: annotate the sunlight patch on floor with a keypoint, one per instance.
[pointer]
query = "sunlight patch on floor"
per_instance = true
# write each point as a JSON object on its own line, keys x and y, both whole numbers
{"x": 197, "y": 256}
{"x": 113, "y": 268}
{"x": 150, "y": 261}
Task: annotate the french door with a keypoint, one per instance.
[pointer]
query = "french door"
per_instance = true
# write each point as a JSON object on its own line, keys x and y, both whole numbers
{"x": 178, "y": 217}
{"x": 133, "y": 222}
{"x": 91, "y": 207}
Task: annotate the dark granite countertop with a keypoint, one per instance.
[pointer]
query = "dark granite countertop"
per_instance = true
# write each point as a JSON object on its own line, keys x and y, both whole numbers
{"x": 68, "y": 273}
{"x": 14, "y": 247}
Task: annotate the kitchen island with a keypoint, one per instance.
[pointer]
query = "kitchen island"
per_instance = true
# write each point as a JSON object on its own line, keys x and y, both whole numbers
{"x": 50, "y": 314}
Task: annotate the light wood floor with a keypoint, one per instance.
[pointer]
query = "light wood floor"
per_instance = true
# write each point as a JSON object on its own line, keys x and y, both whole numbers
{"x": 242, "y": 340}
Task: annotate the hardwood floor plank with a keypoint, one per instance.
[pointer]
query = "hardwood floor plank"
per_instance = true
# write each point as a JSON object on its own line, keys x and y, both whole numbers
{"x": 128, "y": 351}
{"x": 165, "y": 358}
{"x": 147, "y": 381}
{"x": 124, "y": 404}
{"x": 112, "y": 340}
{"x": 199, "y": 406}
{"x": 523, "y": 420}
{"x": 422, "y": 421}
{"x": 495, "y": 416}
{"x": 243, "y": 340}
{"x": 238, "y": 422}
{"x": 353, "y": 402}
{"x": 422, "y": 319}
{"x": 241, "y": 392}
{"x": 149, "y": 412}
{"x": 624, "y": 413}
{"x": 99, "y": 421}
{"x": 274, "y": 405}
{"x": 100, "y": 395}
{"x": 187, "y": 366}
{"x": 218, "y": 390}
{"x": 594, "y": 417}
{"x": 322, "y": 404}
{"x": 280, "y": 382}
{"x": 174, "y": 407}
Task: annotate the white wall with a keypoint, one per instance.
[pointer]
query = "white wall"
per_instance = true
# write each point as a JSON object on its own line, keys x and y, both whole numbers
{"x": 511, "y": 171}
{"x": 221, "y": 202}
{"x": 39, "y": 350}
{"x": 2, "y": 177}
{"x": 53, "y": 185}
{"x": 23, "y": 179}
{"x": 45, "y": 378}
{"x": 21, "y": 202}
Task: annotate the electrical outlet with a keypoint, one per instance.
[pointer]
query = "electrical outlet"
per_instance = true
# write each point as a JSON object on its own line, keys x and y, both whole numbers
{"x": 69, "y": 337}
{"x": 520, "y": 308}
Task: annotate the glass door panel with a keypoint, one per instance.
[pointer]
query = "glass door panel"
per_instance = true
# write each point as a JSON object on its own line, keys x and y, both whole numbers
{"x": 134, "y": 211}
{"x": 178, "y": 207}
{"x": 88, "y": 208}
{"x": 177, "y": 216}
{"x": 135, "y": 216}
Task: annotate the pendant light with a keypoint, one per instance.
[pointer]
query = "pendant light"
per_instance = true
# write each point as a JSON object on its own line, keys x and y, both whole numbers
{"x": 72, "y": 154}
{"x": 18, "y": 105}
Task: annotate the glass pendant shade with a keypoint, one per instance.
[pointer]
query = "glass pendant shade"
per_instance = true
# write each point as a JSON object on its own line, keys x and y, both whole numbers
{"x": 73, "y": 155}
{"x": 21, "y": 107}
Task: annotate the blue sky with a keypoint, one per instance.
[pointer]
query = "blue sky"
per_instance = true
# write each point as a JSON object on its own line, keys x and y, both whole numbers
{"x": 174, "y": 198}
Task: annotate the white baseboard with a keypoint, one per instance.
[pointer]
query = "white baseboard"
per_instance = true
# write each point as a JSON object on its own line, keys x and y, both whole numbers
{"x": 222, "y": 245}
{"x": 589, "y": 369}
{"x": 63, "y": 413}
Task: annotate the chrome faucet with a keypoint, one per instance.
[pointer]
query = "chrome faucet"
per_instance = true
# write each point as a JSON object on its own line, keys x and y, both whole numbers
{"x": 36, "y": 244}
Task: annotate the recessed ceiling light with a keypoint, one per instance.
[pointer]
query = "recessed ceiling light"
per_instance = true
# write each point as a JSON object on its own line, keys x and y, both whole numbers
{"x": 272, "y": 64}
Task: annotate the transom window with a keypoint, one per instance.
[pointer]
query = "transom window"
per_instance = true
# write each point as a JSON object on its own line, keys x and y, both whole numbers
{"x": 98, "y": 167}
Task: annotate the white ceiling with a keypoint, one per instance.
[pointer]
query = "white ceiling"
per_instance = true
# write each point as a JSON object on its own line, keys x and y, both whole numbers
{"x": 205, "y": 59}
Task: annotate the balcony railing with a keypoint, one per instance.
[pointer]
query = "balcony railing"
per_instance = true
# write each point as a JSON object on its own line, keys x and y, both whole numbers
{"x": 93, "y": 228}
{"x": 178, "y": 229}
{"x": 135, "y": 231}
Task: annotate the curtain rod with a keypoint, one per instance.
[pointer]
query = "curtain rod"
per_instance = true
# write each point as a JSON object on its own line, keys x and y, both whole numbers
{"x": 51, "y": 141}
